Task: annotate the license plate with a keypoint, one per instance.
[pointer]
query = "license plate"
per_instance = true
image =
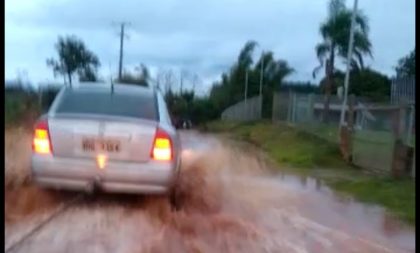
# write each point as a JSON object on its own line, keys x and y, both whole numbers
{"x": 92, "y": 145}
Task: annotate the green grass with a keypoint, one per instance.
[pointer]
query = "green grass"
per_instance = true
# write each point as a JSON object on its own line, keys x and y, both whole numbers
{"x": 303, "y": 153}
{"x": 297, "y": 148}
{"x": 397, "y": 196}
{"x": 18, "y": 107}
{"x": 13, "y": 109}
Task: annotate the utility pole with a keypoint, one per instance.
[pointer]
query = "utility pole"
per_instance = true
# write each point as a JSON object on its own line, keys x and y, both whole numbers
{"x": 245, "y": 108}
{"x": 122, "y": 35}
{"x": 349, "y": 54}
{"x": 246, "y": 85}
{"x": 261, "y": 72}
{"x": 121, "y": 51}
{"x": 181, "y": 79}
{"x": 261, "y": 80}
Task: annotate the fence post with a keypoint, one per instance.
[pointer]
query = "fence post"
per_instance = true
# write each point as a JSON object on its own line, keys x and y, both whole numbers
{"x": 413, "y": 168}
{"x": 310, "y": 107}
{"x": 40, "y": 97}
{"x": 351, "y": 112}
{"x": 410, "y": 125}
{"x": 274, "y": 105}
{"x": 294, "y": 107}
{"x": 400, "y": 150}
{"x": 346, "y": 131}
{"x": 289, "y": 107}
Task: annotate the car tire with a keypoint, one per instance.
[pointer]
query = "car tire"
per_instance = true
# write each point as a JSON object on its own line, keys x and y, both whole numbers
{"x": 174, "y": 196}
{"x": 174, "y": 200}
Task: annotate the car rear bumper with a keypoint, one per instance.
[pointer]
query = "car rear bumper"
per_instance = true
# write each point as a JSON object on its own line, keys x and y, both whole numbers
{"x": 81, "y": 174}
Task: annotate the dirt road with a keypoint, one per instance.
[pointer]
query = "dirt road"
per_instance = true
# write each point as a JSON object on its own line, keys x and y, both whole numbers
{"x": 233, "y": 202}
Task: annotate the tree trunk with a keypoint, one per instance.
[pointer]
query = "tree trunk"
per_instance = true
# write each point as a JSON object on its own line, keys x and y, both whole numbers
{"x": 329, "y": 72}
{"x": 327, "y": 97}
{"x": 69, "y": 75}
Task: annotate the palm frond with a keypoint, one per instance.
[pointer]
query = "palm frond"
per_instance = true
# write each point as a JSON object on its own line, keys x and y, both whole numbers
{"x": 335, "y": 7}
{"x": 362, "y": 22}
{"x": 322, "y": 50}
{"x": 316, "y": 70}
{"x": 245, "y": 56}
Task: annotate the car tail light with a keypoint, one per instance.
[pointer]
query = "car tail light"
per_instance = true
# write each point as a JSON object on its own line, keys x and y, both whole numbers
{"x": 101, "y": 160}
{"x": 162, "y": 146}
{"x": 41, "y": 143}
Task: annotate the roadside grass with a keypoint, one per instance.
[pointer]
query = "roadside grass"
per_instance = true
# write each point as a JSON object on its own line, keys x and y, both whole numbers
{"x": 303, "y": 153}
{"x": 20, "y": 109}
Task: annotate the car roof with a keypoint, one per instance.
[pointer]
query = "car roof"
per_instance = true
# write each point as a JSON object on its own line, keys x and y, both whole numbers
{"x": 119, "y": 88}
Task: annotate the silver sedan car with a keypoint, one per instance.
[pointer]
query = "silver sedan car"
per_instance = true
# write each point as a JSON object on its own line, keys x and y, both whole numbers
{"x": 114, "y": 138}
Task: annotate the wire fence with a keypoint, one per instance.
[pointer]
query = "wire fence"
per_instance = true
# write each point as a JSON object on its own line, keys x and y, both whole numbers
{"x": 403, "y": 90}
{"x": 375, "y": 130}
{"x": 244, "y": 111}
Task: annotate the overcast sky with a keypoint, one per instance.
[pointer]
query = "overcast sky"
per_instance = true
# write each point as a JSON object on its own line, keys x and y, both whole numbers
{"x": 201, "y": 36}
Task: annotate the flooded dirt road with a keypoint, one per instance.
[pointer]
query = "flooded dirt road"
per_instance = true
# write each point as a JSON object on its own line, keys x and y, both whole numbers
{"x": 233, "y": 201}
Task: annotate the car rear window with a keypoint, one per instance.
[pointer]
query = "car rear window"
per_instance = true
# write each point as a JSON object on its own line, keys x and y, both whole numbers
{"x": 104, "y": 103}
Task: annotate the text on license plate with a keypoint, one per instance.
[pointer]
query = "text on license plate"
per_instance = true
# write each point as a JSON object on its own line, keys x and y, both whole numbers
{"x": 91, "y": 145}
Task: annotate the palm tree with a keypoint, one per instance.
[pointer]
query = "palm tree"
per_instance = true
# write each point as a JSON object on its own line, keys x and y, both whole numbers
{"x": 335, "y": 32}
{"x": 274, "y": 73}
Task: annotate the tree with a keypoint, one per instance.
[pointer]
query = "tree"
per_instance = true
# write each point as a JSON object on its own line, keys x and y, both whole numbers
{"x": 335, "y": 32}
{"x": 274, "y": 72}
{"x": 73, "y": 56}
{"x": 338, "y": 81}
{"x": 169, "y": 80}
{"x": 366, "y": 83}
{"x": 407, "y": 65}
{"x": 370, "y": 84}
{"x": 230, "y": 89}
{"x": 142, "y": 78}
{"x": 87, "y": 75}
{"x": 301, "y": 87}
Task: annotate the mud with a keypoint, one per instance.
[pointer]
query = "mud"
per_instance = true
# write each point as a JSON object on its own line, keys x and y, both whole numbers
{"x": 232, "y": 202}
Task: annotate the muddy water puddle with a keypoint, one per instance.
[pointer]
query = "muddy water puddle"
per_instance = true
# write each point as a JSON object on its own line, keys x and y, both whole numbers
{"x": 232, "y": 202}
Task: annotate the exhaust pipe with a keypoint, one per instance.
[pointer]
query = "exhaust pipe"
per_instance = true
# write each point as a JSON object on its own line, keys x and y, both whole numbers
{"x": 93, "y": 186}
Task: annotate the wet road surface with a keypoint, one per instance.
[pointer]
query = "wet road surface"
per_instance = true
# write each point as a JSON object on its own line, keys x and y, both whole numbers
{"x": 232, "y": 202}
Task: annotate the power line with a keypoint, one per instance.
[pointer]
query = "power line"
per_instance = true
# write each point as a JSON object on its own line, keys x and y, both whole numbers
{"x": 122, "y": 36}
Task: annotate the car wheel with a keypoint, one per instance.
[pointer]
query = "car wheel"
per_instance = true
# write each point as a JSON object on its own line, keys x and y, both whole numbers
{"x": 174, "y": 200}
{"x": 174, "y": 195}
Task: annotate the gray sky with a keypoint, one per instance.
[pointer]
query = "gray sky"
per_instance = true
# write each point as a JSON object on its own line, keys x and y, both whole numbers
{"x": 203, "y": 37}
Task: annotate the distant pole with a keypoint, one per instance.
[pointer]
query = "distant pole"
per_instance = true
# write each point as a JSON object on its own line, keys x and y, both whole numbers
{"x": 121, "y": 51}
{"x": 122, "y": 35}
{"x": 181, "y": 77}
{"x": 261, "y": 80}
{"x": 246, "y": 85}
{"x": 261, "y": 72}
{"x": 349, "y": 54}
{"x": 40, "y": 96}
{"x": 245, "y": 107}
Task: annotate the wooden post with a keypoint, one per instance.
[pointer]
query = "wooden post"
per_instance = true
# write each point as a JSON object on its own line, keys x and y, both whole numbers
{"x": 402, "y": 121}
{"x": 294, "y": 108}
{"x": 274, "y": 113}
{"x": 400, "y": 154}
{"x": 346, "y": 132}
{"x": 290, "y": 107}
{"x": 40, "y": 98}
{"x": 413, "y": 168}
{"x": 310, "y": 107}
{"x": 350, "y": 115}
{"x": 350, "y": 127}
{"x": 410, "y": 125}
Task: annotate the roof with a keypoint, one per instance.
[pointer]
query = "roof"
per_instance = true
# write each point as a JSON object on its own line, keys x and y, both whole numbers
{"x": 106, "y": 87}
